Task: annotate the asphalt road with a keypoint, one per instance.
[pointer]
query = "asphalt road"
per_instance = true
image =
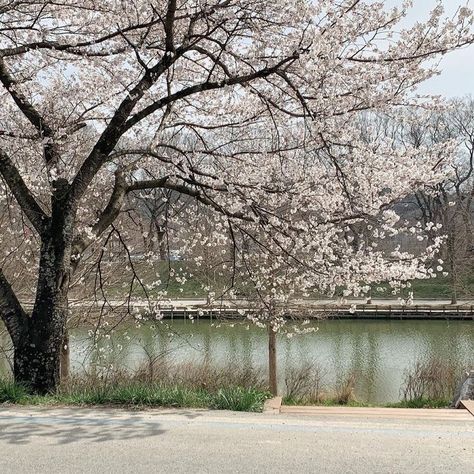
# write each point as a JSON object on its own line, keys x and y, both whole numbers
{"x": 171, "y": 441}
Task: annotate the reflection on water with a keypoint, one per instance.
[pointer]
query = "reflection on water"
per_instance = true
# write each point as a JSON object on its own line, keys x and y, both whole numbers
{"x": 378, "y": 352}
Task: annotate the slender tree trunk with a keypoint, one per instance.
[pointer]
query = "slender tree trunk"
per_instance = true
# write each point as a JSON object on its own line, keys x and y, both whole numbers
{"x": 65, "y": 357}
{"x": 162, "y": 245}
{"x": 451, "y": 246}
{"x": 272, "y": 362}
{"x": 454, "y": 296}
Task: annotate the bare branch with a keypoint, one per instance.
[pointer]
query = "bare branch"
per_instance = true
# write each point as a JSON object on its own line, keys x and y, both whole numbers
{"x": 22, "y": 194}
{"x": 34, "y": 117}
{"x": 117, "y": 126}
{"x": 107, "y": 217}
{"x": 207, "y": 86}
{"x": 169, "y": 25}
{"x": 11, "y": 311}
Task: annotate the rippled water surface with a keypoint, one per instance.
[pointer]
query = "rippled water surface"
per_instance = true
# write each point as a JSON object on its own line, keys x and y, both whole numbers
{"x": 378, "y": 352}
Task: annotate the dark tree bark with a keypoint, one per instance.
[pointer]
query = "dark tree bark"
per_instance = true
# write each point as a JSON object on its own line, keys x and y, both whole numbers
{"x": 37, "y": 353}
{"x": 37, "y": 359}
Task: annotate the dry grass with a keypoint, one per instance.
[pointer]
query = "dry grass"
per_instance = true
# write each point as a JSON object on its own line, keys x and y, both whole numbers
{"x": 344, "y": 392}
{"x": 434, "y": 379}
{"x": 305, "y": 382}
{"x": 196, "y": 376}
{"x": 202, "y": 375}
{"x": 305, "y": 386}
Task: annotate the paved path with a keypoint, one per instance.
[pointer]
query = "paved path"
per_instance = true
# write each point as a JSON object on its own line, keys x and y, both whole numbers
{"x": 171, "y": 441}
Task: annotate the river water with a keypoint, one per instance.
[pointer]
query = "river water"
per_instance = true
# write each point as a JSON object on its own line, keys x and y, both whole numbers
{"x": 378, "y": 352}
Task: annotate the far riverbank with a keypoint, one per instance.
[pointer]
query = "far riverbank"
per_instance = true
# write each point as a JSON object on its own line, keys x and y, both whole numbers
{"x": 196, "y": 308}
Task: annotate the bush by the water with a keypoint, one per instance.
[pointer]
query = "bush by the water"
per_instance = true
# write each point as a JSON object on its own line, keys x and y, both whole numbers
{"x": 305, "y": 386}
{"x": 430, "y": 382}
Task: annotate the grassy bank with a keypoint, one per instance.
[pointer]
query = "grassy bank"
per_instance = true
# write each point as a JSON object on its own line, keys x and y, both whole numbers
{"x": 332, "y": 402}
{"x": 157, "y": 384}
{"x": 143, "y": 395}
{"x": 438, "y": 288}
{"x": 421, "y": 403}
{"x": 139, "y": 394}
{"x": 428, "y": 384}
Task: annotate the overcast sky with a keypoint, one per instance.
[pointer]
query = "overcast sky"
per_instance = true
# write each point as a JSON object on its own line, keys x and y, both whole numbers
{"x": 457, "y": 68}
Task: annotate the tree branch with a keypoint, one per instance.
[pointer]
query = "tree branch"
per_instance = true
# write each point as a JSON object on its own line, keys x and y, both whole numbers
{"x": 34, "y": 117}
{"x": 169, "y": 24}
{"x": 79, "y": 49}
{"x": 106, "y": 218}
{"x": 23, "y": 195}
{"x": 117, "y": 126}
{"x": 183, "y": 189}
{"x": 121, "y": 123}
{"x": 11, "y": 311}
{"x": 207, "y": 86}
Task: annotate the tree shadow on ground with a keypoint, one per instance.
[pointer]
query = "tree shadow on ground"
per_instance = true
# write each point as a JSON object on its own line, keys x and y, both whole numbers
{"x": 78, "y": 425}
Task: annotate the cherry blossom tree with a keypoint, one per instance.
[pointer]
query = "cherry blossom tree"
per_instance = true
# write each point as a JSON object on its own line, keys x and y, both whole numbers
{"x": 244, "y": 107}
{"x": 450, "y": 202}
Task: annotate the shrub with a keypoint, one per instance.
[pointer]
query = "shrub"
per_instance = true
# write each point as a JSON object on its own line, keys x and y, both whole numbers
{"x": 344, "y": 392}
{"x": 304, "y": 383}
{"x": 433, "y": 379}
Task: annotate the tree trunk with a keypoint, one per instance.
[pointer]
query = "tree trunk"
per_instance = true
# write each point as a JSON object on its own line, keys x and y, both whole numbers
{"x": 454, "y": 297}
{"x": 162, "y": 245}
{"x": 65, "y": 357}
{"x": 36, "y": 360}
{"x": 451, "y": 247}
{"x": 37, "y": 354}
{"x": 272, "y": 363}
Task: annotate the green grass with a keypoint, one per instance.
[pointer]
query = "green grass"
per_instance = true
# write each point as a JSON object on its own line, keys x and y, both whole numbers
{"x": 331, "y": 402}
{"x": 136, "y": 394}
{"x": 420, "y": 403}
{"x": 139, "y": 394}
{"x": 239, "y": 399}
{"x": 192, "y": 288}
{"x": 438, "y": 288}
{"x": 117, "y": 284}
{"x": 11, "y": 392}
